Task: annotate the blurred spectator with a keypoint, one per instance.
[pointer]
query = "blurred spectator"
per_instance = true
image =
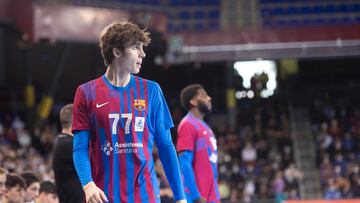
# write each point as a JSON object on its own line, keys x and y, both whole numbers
{"x": 262, "y": 148}
{"x": 334, "y": 128}
{"x": 224, "y": 189}
{"x": 32, "y": 187}
{"x": 15, "y": 189}
{"x": 249, "y": 190}
{"x": 324, "y": 138}
{"x": 355, "y": 185}
{"x": 23, "y": 138}
{"x": 340, "y": 164}
{"x": 248, "y": 153}
{"x": 17, "y": 124}
{"x": 234, "y": 196}
{"x": 47, "y": 138}
{"x": 278, "y": 183}
{"x": 348, "y": 143}
{"x": 292, "y": 177}
{"x": 326, "y": 170}
{"x": 3, "y": 173}
{"x": 332, "y": 191}
{"x": 47, "y": 193}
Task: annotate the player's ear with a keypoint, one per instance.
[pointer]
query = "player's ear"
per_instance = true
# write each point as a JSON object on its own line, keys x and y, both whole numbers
{"x": 116, "y": 52}
{"x": 193, "y": 102}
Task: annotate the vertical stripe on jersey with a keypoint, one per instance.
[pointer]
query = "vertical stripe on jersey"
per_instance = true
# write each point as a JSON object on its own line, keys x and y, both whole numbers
{"x": 97, "y": 171}
{"x": 105, "y": 159}
{"x": 113, "y": 162}
{"x": 143, "y": 185}
{"x": 145, "y": 140}
{"x": 115, "y": 167}
{"x": 200, "y": 143}
{"x": 138, "y": 156}
{"x": 123, "y": 190}
{"x": 144, "y": 167}
{"x": 128, "y": 154}
{"x": 96, "y": 153}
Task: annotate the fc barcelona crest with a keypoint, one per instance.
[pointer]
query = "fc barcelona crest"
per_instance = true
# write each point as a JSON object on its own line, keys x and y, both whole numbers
{"x": 140, "y": 104}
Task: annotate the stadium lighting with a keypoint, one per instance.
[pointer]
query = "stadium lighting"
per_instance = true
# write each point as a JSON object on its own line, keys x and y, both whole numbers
{"x": 248, "y": 69}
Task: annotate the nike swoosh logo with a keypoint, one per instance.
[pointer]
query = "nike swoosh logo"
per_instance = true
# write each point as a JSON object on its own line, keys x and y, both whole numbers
{"x": 100, "y": 105}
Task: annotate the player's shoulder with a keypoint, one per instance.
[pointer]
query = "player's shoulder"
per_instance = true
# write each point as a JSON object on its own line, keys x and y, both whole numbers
{"x": 150, "y": 83}
{"x": 90, "y": 84}
{"x": 186, "y": 122}
{"x": 186, "y": 127}
{"x": 89, "y": 88}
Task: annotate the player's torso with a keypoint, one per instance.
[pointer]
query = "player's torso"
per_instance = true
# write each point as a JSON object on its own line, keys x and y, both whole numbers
{"x": 205, "y": 160}
{"x": 121, "y": 150}
{"x": 205, "y": 141}
{"x": 120, "y": 119}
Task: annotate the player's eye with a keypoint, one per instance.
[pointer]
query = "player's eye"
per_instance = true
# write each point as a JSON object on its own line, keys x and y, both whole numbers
{"x": 137, "y": 47}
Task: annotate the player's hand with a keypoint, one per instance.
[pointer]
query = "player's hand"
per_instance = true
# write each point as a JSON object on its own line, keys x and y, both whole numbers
{"x": 181, "y": 201}
{"x": 94, "y": 194}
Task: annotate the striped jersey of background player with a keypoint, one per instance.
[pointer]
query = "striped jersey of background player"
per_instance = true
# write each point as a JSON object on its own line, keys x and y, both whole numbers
{"x": 197, "y": 147}
{"x": 121, "y": 115}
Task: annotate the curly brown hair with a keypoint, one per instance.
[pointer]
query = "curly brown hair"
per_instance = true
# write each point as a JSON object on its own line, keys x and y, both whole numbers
{"x": 188, "y": 93}
{"x": 121, "y": 35}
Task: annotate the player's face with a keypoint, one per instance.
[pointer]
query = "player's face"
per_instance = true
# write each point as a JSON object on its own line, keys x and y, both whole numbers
{"x": 15, "y": 194}
{"x": 32, "y": 192}
{"x": 132, "y": 58}
{"x": 203, "y": 101}
{"x": 2, "y": 184}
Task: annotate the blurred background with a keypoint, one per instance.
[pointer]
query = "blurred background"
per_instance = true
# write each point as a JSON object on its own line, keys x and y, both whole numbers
{"x": 283, "y": 75}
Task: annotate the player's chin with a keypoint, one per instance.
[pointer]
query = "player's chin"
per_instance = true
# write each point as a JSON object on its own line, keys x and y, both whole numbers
{"x": 136, "y": 71}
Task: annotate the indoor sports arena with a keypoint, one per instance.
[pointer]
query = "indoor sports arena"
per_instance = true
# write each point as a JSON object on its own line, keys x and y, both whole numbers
{"x": 179, "y": 101}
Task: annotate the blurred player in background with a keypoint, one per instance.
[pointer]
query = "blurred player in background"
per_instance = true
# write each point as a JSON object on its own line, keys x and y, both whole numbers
{"x": 196, "y": 145}
{"x": 117, "y": 117}
{"x": 32, "y": 186}
{"x": 67, "y": 182}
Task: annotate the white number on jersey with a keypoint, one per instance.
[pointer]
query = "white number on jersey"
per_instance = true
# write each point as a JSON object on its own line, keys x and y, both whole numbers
{"x": 139, "y": 122}
{"x": 128, "y": 117}
{"x": 116, "y": 117}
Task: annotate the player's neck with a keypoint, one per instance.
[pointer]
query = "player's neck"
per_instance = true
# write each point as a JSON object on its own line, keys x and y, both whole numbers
{"x": 117, "y": 77}
{"x": 197, "y": 113}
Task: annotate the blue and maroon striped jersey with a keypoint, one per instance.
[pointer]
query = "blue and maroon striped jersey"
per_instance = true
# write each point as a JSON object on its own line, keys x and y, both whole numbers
{"x": 196, "y": 136}
{"x": 123, "y": 123}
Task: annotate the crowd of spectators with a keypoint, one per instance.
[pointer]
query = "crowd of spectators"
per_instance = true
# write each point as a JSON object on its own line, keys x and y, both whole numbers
{"x": 336, "y": 130}
{"x": 26, "y": 158}
{"x": 20, "y": 151}
{"x": 256, "y": 159}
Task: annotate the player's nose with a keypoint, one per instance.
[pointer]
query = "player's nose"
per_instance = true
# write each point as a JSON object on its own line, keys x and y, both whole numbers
{"x": 142, "y": 53}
